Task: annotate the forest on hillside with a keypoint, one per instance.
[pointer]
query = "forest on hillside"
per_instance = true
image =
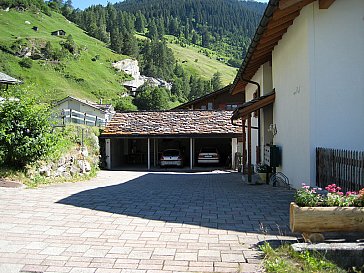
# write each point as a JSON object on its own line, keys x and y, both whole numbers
{"x": 221, "y": 26}
{"x": 224, "y": 26}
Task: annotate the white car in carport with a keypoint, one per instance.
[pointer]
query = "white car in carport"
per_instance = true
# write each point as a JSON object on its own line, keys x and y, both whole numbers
{"x": 171, "y": 157}
{"x": 208, "y": 155}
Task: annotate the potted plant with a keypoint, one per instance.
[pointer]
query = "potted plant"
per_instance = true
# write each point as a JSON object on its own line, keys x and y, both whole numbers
{"x": 315, "y": 211}
{"x": 263, "y": 170}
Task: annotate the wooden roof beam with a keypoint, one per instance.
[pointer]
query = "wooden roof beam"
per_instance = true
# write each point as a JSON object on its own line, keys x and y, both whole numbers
{"x": 282, "y": 20}
{"x": 271, "y": 31}
{"x": 239, "y": 87}
{"x": 260, "y": 59}
{"x": 325, "y": 4}
{"x": 272, "y": 38}
{"x": 283, "y": 4}
{"x": 268, "y": 46}
{"x": 257, "y": 55}
{"x": 290, "y": 9}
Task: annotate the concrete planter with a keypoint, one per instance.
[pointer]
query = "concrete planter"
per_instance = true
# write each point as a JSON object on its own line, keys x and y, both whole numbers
{"x": 312, "y": 221}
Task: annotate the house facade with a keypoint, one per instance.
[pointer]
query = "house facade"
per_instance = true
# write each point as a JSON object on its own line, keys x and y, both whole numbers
{"x": 220, "y": 99}
{"x": 310, "y": 53}
{"x": 85, "y": 112}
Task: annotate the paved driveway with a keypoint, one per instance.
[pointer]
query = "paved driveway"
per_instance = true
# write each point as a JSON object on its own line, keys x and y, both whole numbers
{"x": 141, "y": 222}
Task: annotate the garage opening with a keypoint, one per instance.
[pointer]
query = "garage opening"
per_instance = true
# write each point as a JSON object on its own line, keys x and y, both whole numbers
{"x": 137, "y": 139}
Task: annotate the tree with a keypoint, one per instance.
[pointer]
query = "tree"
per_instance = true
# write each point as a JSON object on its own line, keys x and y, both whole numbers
{"x": 70, "y": 44}
{"x": 152, "y": 30}
{"x": 216, "y": 81}
{"x": 173, "y": 26}
{"x": 25, "y": 132}
{"x": 207, "y": 87}
{"x": 151, "y": 98}
{"x": 139, "y": 22}
{"x": 68, "y": 3}
{"x": 124, "y": 104}
{"x": 130, "y": 45}
{"x": 206, "y": 38}
{"x": 55, "y": 4}
{"x": 116, "y": 42}
{"x": 194, "y": 38}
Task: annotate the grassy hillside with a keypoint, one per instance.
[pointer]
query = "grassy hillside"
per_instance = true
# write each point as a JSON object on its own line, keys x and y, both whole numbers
{"x": 196, "y": 62}
{"x": 90, "y": 75}
{"x": 79, "y": 77}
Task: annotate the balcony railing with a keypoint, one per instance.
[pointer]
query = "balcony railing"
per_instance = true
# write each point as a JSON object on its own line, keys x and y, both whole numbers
{"x": 73, "y": 116}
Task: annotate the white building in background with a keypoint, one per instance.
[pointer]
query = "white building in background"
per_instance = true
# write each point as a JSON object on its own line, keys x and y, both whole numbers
{"x": 311, "y": 53}
{"x": 80, "y": 111}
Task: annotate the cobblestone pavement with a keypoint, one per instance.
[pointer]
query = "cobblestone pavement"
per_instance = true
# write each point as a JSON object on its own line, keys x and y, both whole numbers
{"x": 141, "y": 222}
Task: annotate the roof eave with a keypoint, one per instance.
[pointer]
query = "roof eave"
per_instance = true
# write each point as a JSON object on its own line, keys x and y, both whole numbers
{"x": 217, "y": 92}
{"x": 268, "y": 13}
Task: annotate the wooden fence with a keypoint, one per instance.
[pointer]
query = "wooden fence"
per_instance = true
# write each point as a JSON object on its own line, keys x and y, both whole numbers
{"x": 340, "y": 167}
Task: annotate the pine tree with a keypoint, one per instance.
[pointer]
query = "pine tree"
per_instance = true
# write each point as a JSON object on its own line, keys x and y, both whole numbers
{"x": 139, "y": 22}
{"x": 216, "y": 81}
{"x": 116, "y": 42}
{"x": 152, "y": 30}
{"x": 130, "y": 45}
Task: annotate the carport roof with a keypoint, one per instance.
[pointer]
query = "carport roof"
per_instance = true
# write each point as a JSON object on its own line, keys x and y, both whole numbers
{"x": 188, "y": 123}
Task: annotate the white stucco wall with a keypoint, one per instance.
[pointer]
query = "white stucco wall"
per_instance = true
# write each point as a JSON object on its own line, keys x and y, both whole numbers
{"x": 291, "y": 80}
{"x": 249, "y": 91}
{"x": 338, "y": 75}
{"x": 318, "y": 74}
{"x": 264, "y": 77}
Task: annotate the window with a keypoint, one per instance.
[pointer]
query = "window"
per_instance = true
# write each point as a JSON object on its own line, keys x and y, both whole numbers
{"x": 231, "y": 106}
{"x": 209, "y": 106}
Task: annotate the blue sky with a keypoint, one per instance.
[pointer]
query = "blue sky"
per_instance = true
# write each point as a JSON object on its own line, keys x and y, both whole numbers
{"x": 86, "y": 3}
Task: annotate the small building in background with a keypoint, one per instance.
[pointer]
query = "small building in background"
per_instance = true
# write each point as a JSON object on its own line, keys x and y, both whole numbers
{"x": 5, "y": 80}
{"x": 59, "y": 32}
{"x": 221, "y": 99}
{"x": 76, "y": 110}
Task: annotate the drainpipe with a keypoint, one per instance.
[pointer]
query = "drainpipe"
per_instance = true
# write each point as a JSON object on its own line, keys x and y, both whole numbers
{"x": 258, "y": 85}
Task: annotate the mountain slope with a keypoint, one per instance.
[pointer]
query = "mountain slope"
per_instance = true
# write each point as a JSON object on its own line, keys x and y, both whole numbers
{"x": 225, "y": 26}
{"x": 196, "y": 63}
{"x": 78, "y": 76}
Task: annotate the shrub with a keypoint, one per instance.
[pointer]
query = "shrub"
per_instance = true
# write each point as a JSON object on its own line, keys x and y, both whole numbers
{"x": 26, "y": 63}
{"x": 125, "y": 104}
{"x": 25, "y": 132}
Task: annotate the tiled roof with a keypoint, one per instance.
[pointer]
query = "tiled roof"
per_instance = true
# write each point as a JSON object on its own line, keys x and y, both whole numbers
{"x": 172, "y": 123}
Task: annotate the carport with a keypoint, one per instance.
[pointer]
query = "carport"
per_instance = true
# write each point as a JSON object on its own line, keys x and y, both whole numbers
{"x": 136, "y": 139}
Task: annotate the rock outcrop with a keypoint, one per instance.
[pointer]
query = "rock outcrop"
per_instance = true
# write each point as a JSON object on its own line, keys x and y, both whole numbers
{"x": 131, "y": 67}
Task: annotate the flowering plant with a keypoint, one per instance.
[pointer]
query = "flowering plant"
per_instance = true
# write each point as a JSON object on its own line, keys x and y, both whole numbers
{"x": 332, "y": 196}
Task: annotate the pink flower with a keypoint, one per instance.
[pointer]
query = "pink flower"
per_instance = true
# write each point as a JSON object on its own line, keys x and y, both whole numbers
{"x": 351, "y": 193}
